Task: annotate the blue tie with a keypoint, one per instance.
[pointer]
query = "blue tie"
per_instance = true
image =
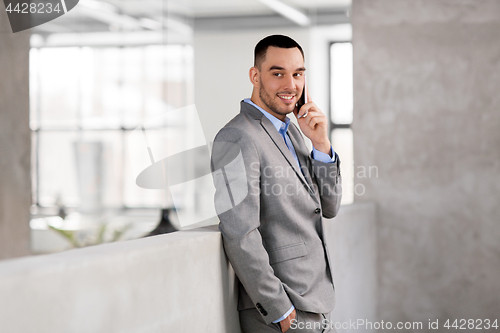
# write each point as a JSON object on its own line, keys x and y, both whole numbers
{"x": 289, "y": 144}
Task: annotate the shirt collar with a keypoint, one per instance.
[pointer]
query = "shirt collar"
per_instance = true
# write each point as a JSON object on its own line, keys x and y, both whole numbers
{"x": 280, "y": 126}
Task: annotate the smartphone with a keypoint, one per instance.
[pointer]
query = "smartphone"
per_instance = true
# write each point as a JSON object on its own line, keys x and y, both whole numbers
{"x": 303, "y": 100}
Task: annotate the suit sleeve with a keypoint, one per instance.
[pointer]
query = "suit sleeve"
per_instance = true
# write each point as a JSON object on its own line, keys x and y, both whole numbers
{"x": 236, "y": 172}
{"x": 329, "y": 181}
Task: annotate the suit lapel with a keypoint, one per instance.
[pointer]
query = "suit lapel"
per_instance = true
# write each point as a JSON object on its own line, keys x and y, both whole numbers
{"x": 278, "y": 140}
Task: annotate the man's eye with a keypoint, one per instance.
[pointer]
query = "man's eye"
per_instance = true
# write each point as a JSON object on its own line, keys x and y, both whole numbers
{"x": 278, "y": 74}
{"x": 298, "y": 74}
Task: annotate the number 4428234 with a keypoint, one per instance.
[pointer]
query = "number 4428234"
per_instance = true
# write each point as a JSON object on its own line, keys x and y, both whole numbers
{"x": 470, "y": 324}
{"x": 32, "y": 8}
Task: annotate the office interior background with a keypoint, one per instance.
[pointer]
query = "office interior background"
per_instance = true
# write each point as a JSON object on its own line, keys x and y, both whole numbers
{"x": 93, "y": 98}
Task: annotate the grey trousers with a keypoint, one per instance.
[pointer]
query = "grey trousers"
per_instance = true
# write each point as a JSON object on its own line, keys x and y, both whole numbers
{"x": 306, "y": 322}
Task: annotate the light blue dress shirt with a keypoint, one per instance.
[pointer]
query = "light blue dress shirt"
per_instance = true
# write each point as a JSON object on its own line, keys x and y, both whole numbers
{"x": 282, "y": 128}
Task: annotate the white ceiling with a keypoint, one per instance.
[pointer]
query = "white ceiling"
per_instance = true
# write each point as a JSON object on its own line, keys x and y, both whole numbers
{"x": 204, "y": 8}
{"x": 180, "y": 16}
{"x": 244, "y": 7}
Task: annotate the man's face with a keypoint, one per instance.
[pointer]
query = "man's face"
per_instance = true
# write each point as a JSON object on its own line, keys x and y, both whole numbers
{"x": 280, "y": 80}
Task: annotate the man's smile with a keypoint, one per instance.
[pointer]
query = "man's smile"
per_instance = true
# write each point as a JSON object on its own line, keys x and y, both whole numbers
{"x": 287, "y": 98}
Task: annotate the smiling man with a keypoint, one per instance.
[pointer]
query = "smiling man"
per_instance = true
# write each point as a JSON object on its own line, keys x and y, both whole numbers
{"x": 272, "y": 195}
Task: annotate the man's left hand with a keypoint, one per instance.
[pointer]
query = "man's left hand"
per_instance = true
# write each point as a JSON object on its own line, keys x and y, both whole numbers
{"x": 287, "y": 322}
{"x": 314, "y": 125}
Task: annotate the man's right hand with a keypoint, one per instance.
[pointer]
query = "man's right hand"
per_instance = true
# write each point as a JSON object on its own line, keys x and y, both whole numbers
{"x": 287, "y": 322}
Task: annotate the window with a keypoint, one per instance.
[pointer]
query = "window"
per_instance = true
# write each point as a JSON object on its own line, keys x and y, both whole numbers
{"x": 341, "y": 112}
{"x": 84, "y": 103}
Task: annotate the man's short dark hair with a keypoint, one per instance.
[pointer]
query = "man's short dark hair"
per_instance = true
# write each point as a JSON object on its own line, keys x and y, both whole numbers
{"x": 276, "y": 41}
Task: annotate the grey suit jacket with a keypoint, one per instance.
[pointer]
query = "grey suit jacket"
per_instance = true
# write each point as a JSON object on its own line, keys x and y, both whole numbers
{"x": 271, "y": 215}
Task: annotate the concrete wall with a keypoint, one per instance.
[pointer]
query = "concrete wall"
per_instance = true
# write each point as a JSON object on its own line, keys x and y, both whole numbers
{"x": 15, "y": 142}
{"x": 179, "y": 282}
{"x": 352, "y": 241}
{"x": 426, "y": 85}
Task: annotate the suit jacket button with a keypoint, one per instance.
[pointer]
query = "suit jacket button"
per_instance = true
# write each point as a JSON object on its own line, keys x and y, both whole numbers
{"x": 261, "y": 309}
{"x": 317, "y": 210}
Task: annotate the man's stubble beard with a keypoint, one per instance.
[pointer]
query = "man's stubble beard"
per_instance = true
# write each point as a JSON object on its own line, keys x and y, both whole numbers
{"x": 271, "y": 103}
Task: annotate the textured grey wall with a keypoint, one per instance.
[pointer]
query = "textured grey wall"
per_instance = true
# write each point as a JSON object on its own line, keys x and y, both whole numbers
{"x": 427, "y": 114}
{"x": 15, "y": 143}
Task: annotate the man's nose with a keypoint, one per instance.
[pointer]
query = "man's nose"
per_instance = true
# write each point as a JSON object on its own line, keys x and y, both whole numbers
{"x": 289, "y": 83}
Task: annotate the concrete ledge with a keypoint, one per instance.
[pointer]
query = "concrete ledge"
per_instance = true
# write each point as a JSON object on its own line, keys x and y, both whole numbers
{"x": 352, "y": 243}
{"x": 178, "y": 282}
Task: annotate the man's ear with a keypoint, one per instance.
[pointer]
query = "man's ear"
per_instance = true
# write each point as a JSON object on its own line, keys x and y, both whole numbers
{"x": 254, "y": 76}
